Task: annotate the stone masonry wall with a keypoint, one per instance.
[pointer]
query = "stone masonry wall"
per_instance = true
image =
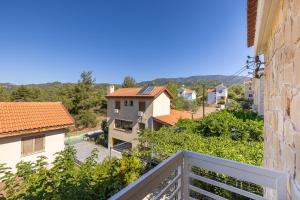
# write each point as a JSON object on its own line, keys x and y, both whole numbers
{"x": 282, "y": 92}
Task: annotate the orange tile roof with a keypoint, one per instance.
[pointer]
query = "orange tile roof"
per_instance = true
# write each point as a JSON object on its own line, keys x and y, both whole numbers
{"x": 251, "y": 21}
{"x": 133, "y": 92}
{"x": 211, "y": 90}
{"x": 18, "y": 118}
{"x": 173, "y": 118}
{"x": 189, "y": 90}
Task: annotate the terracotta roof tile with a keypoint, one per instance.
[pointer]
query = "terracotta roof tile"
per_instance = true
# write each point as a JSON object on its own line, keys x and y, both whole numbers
{"x": 174, "y": 116}
{"x": 28, "y": 117}
{"x": 211, "y": 90}
{"x": 133, "y": 92}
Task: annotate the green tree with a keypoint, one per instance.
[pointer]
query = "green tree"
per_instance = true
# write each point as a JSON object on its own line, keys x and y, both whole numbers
{"x": 129, "y": 82}
{"x": 83, "y": 94}
{"x": 24, "y": 93}
{"x": 85, "y": 118}
{"x": 4, "y": 95}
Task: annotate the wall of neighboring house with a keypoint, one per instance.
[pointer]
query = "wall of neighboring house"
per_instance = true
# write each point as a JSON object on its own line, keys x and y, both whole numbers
{"x": 258, "y": 96}
{"x": 161, "y": 105}
{"x": 282, "y": 93}
{"x": 221, "y": 92}
{"x": 11, "y": 148}
{"x": 128, "y": 113}
{"x": 249, "y": 90}
{"x": 211, "y": 98}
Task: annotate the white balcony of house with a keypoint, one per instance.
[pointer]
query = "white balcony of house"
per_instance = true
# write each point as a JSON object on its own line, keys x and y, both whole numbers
{"x": 189, "y": 175}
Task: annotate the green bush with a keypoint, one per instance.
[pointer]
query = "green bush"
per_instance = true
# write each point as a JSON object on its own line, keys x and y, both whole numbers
{"x": 236, "y": 125}
{"x": 86, "y": 119}
{"x": 66, "y": 180}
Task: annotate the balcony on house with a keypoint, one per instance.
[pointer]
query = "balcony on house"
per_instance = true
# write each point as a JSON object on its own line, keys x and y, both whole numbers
{"x": 189, "y": 175}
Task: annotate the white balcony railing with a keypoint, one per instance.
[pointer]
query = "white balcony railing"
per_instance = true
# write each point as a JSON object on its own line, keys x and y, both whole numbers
{"x": 190, "y": 175}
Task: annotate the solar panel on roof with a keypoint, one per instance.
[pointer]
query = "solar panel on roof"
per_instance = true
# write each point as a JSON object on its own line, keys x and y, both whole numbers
{"x": 146, "y": 90}
{"x": 142, "y": 90}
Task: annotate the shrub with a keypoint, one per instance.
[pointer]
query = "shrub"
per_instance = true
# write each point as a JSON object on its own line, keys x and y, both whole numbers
{"x": 85, "y": 119}
{"x": 66, "y": 180}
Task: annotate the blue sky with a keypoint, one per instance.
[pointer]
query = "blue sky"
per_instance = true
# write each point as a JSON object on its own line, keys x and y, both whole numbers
{"x": 53, "y": 40}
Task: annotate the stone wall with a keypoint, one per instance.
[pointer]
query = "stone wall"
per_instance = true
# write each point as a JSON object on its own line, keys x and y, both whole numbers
{"x": 282, "y": 92}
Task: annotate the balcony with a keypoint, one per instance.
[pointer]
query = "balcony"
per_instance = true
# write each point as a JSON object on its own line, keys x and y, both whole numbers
{"x": 190, "y": 175}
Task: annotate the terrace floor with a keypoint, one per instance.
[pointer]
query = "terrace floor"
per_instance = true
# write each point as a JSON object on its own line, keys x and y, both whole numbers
{"x": 85, "y": 148}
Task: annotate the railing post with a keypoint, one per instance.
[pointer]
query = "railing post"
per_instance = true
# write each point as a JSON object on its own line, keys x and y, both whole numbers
{"x": 185, "y": 177}
{"x": 179, "y": 182}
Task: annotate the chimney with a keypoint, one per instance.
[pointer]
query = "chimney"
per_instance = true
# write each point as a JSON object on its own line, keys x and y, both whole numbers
{"x": 110, "y": 89}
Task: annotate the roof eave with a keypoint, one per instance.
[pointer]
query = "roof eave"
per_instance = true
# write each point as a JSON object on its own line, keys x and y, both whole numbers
{"x": 266, "y": 15}
{"x": 36, "y": 130}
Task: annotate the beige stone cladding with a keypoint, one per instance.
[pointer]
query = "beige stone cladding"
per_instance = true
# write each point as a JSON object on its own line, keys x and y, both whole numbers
{"x": 282, "y": 92}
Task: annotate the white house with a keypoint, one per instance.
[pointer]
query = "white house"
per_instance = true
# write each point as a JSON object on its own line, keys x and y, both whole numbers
{"x": 32, "y": 129}
{"x": 216, "y": 94}
{"x": 187, "y": 94}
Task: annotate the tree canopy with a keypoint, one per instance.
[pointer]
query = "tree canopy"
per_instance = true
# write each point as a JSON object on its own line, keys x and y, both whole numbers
{"x": 129, "y": 82}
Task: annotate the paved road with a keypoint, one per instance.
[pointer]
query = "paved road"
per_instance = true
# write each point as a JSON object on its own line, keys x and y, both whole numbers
{"x": 85, "y": 148}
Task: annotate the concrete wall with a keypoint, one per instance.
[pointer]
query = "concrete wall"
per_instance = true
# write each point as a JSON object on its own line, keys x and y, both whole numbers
{"x": 258, "y": 95}
{"x": 211, "y": 98}
{"x": 10, "y": 148}
{"x": 161, "y": 105}
{"x": 282, "y": 93}
{"x": 248, "y": 86}
{"x": 223, "y": 94}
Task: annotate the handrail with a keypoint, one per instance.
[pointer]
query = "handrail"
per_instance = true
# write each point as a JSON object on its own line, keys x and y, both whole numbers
{"x": 183, "y": 161}
{"x": 151, "y": 179}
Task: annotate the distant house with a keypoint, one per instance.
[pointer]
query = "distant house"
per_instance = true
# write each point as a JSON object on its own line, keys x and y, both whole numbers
{"x": 187, "y": 94}
{"x": 30, "y": 130}
{"x": 216, "y": 94}
{"x": 130, "y": 110}
{"x": 249, "y": 90}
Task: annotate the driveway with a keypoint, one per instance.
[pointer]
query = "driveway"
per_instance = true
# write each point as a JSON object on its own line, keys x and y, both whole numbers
{"x": 85, "y": 148}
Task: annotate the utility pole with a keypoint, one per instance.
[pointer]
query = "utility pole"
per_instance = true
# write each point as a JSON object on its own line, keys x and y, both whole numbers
{"x": 203, "y": 105}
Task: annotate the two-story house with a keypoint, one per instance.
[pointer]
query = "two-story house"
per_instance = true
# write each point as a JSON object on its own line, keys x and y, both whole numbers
{"x": 187, "y": 93}
{"x": 131, "y": 109}
{"x": 216, "y": 94}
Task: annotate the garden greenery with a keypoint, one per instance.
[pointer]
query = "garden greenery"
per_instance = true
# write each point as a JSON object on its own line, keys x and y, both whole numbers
{"x": 225, "y": 134}
{"x": 67, "y": 180}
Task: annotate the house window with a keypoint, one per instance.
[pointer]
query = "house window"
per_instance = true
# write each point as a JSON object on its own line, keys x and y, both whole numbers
{"x": 142, "y": 126}
{"x": 125, "y": 103}
{"x": 220, "y": 91}
{"x": 131, "y": 103}
{"x": 33, "y": 144}
{"x": 250, "y": 95}
{"x": 117, "y": 105}
{"x": 142, "y": 106}
{"x": 123, "y": 124}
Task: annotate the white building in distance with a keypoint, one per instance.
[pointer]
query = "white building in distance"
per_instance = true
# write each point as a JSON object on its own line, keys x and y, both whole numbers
{"x": 187, "y": 94}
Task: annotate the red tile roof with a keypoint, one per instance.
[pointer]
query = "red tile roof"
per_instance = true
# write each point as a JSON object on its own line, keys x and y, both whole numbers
{"x": 187, "y": 90}
{"x": 251, "y": 21}
{"x": 18, "y": 118}
{"x": 173, "y": 118}
{"x": 211, "y": 90}
{"x": 133, "y": 92}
